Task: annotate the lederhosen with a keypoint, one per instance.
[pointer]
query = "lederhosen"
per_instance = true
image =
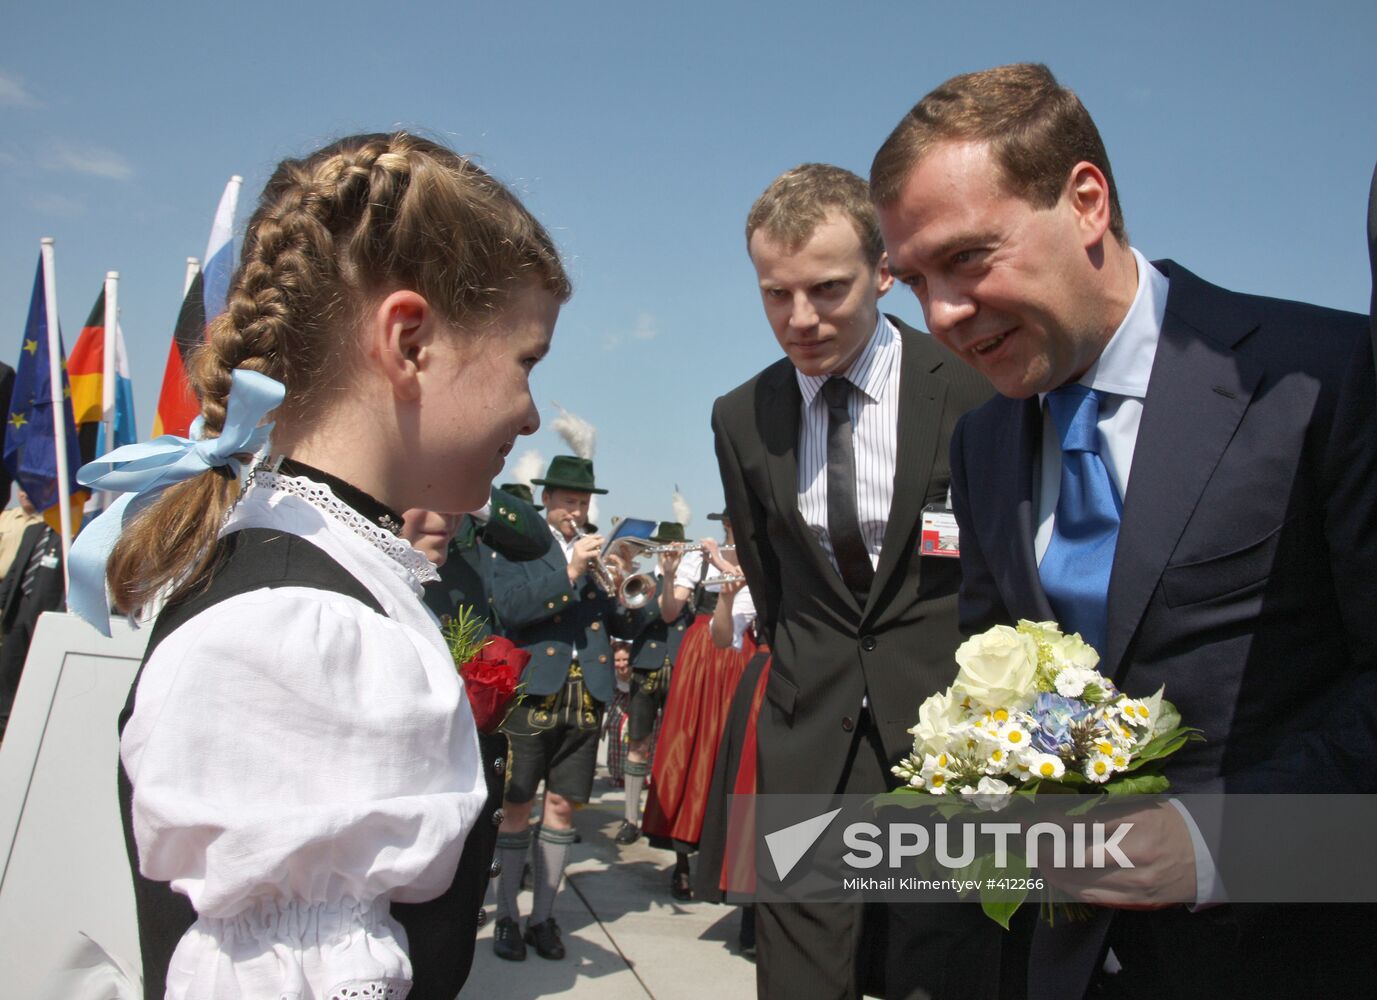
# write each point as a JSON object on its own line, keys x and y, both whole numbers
{"x": 440, "y": 933}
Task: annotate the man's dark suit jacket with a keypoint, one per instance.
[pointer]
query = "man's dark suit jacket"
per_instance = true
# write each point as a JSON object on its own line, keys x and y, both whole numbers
{"x": 1245, "y": 581}
{"x": 829, "y": 653}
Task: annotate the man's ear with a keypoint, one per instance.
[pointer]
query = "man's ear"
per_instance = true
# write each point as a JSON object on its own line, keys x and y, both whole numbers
{"x": 399, "y": 332}
{"x": 884, "y": 281}
{"x": 1087, "y": 189}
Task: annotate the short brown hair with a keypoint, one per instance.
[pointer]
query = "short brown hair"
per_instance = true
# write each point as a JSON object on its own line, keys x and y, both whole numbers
{"x": 797, "y": 201}
{"x": 1037, "y": 129}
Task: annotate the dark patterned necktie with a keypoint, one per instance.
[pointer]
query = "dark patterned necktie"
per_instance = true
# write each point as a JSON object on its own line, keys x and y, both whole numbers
{"x": 843, "y": 521}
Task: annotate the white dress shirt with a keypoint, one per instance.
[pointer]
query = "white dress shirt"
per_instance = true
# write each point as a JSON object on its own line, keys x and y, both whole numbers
{"x": 874, "y": 409}
{"x": 743, "y": 613}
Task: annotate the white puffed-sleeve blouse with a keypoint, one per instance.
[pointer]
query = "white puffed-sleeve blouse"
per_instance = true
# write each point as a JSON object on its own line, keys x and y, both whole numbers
{"x": 298, "y": 761}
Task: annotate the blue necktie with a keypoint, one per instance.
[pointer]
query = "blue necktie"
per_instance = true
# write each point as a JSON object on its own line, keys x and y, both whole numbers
{"x": 1075, "y": 568}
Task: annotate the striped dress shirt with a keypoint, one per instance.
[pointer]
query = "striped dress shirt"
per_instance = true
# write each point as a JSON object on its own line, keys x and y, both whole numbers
{"x": 874, "y": 409}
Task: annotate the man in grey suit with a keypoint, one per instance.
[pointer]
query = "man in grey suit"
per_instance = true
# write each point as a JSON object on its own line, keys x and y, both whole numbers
{"x": 1186, "y": 474}
{"x": 828, "y": 458}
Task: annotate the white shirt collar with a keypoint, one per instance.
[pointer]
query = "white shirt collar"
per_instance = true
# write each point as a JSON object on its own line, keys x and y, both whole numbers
{"x": 869, "y": 372}
{"x": 1125, "y": 364}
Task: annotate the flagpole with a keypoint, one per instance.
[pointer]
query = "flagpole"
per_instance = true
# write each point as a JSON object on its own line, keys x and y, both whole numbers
{"x": 107, "y": 387}
{"x": 193, "y": 268}
{"x": 64, "y": 492}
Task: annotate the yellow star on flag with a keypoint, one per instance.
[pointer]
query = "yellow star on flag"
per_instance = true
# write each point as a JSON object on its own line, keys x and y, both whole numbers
{"x": 31, "y": 346}
{"x": 17, "y": 420}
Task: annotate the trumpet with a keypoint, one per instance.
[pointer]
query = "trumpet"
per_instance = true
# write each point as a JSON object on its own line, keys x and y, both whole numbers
{"x": 636, "y": 591}
{"x": 599, "y": 570}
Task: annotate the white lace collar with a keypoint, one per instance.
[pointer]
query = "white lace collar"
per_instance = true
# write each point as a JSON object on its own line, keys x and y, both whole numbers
{"x": 318, "y": 495}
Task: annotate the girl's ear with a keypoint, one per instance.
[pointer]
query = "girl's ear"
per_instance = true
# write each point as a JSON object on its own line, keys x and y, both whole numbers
{"x": 398, "y": 333}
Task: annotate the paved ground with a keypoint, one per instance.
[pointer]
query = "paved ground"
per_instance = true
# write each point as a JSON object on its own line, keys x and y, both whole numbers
{"x": 627, "y": 939}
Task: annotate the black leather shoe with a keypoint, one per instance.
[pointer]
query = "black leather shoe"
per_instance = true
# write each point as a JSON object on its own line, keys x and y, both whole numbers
{"x": 681, "y": 886}
{"x": 506, "y": 940}
{"x": 544, "y": 937}
{"x": 627, "y": 833}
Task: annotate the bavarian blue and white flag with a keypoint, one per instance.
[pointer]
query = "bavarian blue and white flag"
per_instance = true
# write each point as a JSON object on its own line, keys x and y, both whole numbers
{"x": 219, "y": 258}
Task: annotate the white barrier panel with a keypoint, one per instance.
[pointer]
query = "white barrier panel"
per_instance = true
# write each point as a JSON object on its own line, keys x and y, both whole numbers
{"x": 65, "y": 890}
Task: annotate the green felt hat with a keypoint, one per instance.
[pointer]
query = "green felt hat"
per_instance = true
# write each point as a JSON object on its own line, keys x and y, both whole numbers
{"x": 667, "y": 532}
{"x": 521, "y": 491}
{"x": 568, "y": 472}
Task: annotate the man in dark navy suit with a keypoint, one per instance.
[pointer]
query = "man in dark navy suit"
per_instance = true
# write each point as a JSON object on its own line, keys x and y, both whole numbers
{"x": 1183, "y": 474}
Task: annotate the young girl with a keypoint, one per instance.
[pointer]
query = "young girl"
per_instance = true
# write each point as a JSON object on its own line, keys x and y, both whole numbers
{"x": 300, "y": 750}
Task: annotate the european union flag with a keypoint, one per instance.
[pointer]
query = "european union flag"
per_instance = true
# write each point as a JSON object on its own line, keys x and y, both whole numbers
{"x": 30, "y": 449}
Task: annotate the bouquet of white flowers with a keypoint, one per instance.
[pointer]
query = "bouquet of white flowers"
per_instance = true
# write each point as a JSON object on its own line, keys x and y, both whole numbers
{"x": 1028, "y": 713}
{"x": 1029, "y": 710}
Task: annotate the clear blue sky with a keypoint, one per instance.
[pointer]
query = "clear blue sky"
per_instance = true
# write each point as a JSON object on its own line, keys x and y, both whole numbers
{"x": 640, "y": 133}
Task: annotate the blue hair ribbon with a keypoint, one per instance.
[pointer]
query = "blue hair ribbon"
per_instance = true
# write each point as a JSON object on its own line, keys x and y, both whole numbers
{"x": 142, "y": 471}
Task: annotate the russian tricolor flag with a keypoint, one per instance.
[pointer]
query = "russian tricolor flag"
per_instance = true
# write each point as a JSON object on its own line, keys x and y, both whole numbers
{"x": 204, "y": 300}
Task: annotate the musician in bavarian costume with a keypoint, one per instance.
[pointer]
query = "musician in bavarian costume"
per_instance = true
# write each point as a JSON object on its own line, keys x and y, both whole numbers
{"x": 556, "y": 609}
{"x": 509, "y": 525}
{"x": 652, "y": 658}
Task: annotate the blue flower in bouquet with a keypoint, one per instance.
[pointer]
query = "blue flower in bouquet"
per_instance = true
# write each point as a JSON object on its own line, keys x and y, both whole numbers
{"x": 1053, "y": 716}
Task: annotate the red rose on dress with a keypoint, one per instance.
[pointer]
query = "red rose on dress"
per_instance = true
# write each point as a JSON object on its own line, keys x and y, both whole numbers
{"x": 491, "y": 678}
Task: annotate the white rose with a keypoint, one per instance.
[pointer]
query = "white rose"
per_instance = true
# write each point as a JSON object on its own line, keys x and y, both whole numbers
{"x": 1073, "y": 651}
{"x": 1048, "y": 632}
{"x": 997, "y": 668}
{"x": 936, "y": 717}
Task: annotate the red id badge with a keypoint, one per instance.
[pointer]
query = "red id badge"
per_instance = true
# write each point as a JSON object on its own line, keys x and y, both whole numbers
{"x": 940, "y": 536}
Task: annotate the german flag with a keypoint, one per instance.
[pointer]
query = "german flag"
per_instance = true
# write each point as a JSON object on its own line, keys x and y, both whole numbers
{"x": 86, "y": 370}
{"x": 177, "y": 404}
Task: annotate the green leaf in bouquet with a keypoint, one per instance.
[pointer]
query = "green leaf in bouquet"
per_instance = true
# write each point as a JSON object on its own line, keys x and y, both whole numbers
{"x": 464, "y": 635}
{"x": 1086, "y": 803}
{"x": 1164, "y": 745}
{"x": 1165, "y": 717}
{"x": 1001, "y": 910}
{"x": 1001, "y": 902}
{"x": 1139, "y": 784}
